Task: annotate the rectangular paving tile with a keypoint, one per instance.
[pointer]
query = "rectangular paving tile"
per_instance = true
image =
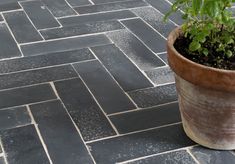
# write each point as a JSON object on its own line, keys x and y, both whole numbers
{"x": 113, "y": 15}
{"x": 63, "y": 141}
{"x": 207, "y": 156}
{"x": 79, "y": 2}
{"x": 19, "y": 23}
{"x": 139, "y": 144}
{"x": 64, "y": 44}
{"x": 150, "y": 37}
{"x": 163, "y": 57}
{"x": 2, "y": 160}
{"x": 155, "y": 19}
{"x": 161, "y": 75}
{"x": 6, "y": 5}
{"x": 135, "y": 50}
{"x": 154, "y": 96}
{"x": 39, "y": 14}
{"x": 146, "y": 118}
{"x": 84, "y": 110}
{"x": 107, "y": 1}
{"x": 23, "y": 142}
{"x": 8, "y": 47}
{"x": 122, "y": 69}
{"x": 81, "y": 29}
{"x": 26, "y": 95}
{"x": 59, "y": 8}
{"x": 110, "y": 6}
{"x": 112, "y": 99}
{"x": 49, "y": 59}
{"x": 163, "y": 6}
{"x": 14, "y": 117}
{"x": 181, "y": 156}
{"x": 36, "y": 76}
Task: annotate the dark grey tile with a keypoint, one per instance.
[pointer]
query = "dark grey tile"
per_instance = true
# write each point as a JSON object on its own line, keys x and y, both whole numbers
{"x": 8, "y": 47}
{"x": 67, "y": 146}
{"x": 79, "y": 2}
{"x": 2, "y": 160}
{"x": 113, "y": 15}
{"x": 150, "y": 37}
{"x": 139, "y": 144}
{"x": 6, "y": 5}
{"x": 146, "y": 118}
{"x": 36, "y": 76}
{"x": 163, "y": 57}
{"x": 83, "y": 109}
{"x": 39, "y": 14}
{"x": 107, "y": 92}
{"x": 154, "y": 96}
{"x": 181, "y": 156}
{"x": 19, "y": 24}
{"x": 135, "y": 50}
{"x": 81, "y": 29}
{"x": 22, "y": 145}
{"x": 161, "y": 75}
{"x": 14, "y": 117}
{"x": 164, "y": 7}
{"x": 122, "y": 69}
{"x": 49, "y": 59}
{"x": 1, "y": 18}
{"x": 110, "y": 6}
{"x": 107, "y": 1}
{"x": 155, "y": 19}
{"x": 64, "y": 44}
{"x": 59, "y": 8}
{"x": 208, "y": 156}
{"x": 26, "y": 95}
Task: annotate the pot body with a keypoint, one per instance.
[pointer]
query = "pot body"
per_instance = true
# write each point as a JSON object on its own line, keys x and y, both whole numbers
{"x": 206, "y": 100}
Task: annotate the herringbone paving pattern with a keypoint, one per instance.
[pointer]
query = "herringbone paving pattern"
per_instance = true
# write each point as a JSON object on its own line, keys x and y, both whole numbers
{"x": 87, "y": 81}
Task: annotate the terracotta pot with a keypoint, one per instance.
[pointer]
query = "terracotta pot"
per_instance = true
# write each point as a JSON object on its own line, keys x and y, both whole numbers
{"x": 206, "y": 99}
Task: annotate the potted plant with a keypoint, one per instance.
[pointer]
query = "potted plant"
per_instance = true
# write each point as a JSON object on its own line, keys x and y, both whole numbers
{"x": 201, "y": 52}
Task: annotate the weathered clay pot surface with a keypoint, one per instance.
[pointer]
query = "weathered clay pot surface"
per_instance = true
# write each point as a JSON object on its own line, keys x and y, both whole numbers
{"x": 206, "y": 99}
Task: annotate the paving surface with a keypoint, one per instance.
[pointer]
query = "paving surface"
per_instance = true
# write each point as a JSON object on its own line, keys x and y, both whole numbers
{"x": 87, "y": 81}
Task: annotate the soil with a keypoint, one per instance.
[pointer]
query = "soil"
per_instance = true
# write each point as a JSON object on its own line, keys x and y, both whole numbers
{"x": 213, "y": 59}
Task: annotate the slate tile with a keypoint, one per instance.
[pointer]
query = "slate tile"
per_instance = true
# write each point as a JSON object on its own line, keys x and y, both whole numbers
{"x": 107, "y": 1}
{"x": 163, "y": 57}
{"x": 2, "y": 160}
{"x": 23, "y": 142}
{"x": 112, "y": 99}
{"x": 79, "y": 2}
{"x": 113, "y": 15}
{"x": 161, "y": 75}
{"x": 59, "y": 8}
{"x": 36, "y": 76}
{"x": 181, "y": 156}
{"x": 208, "y": 156}
{"x": 83, "y": 109}
{"x": 6, "y": 5}
{"x": 110, "y": 6}
{"x": 154, "y": 96}
{"x": 39, "y": 14}
{"x": 64, "y": 44}
{"x": 19, "y": 23}
{"x": 164, "y": 7}
{"x": 1, "y": 18}
{"x": 81, "y": 29}
{"x": 150, "y": 37}
{"x": 67, "y": 146}
{"x": 155, "y": 19}
{"x": 122, "y": 69}
{"x": 135, "y": 50}
{"x": 8, "y": 47}
{"x": 146, "y": 118}
{"x": 45, "y": 60}
{"x": 26, "y": 95}
{"x": 139, "y": 144}
{"x": 14, "y": 117}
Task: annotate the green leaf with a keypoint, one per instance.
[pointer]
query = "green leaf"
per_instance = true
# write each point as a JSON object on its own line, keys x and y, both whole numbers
{"x": 194, "y": 46}
{"x": 229, "y": 54}
{"x": 196, "y": 6}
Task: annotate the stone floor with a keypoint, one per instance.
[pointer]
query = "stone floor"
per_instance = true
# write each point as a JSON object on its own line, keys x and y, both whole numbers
{"x": 87, "y": 81}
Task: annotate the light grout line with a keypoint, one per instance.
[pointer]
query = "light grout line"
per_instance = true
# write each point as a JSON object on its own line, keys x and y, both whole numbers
{"x": 9, "y": 11}
{"x": 54, "y": 89}
{"x": 141, "y": 109}
{"x": 135, "y": 132}
{"x": 194, "y": 158}
{"x": 3, "y": 152}
{"x": 71, "y": 7}
{"x": 91, "y": 2}
{"x": 153, "y": 155}
{"x": 39, "y": 134}
{"x": 112, "y": 125}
